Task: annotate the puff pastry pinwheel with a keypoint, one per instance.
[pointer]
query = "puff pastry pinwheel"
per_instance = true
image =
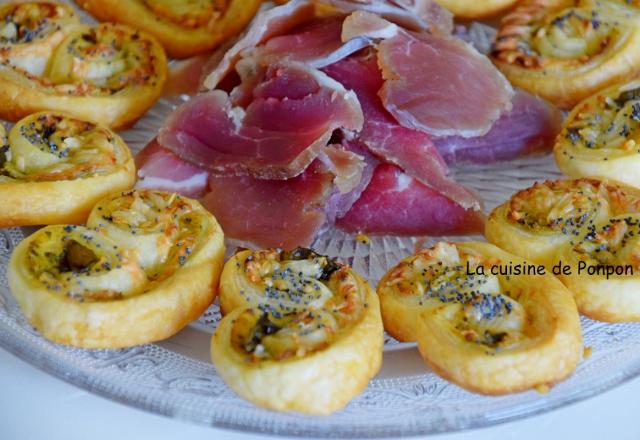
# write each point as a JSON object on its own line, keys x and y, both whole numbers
{"x": 473, "y": 9}
{"x": 605, "y": 262}
{"x": 486, "y": 331}
{"x": 184, "y": 27}
{"x": 108, "y": 74}
{"x": 54, "y": 168}
{"x": 96, "y": 287}
{"x": 569, "y": 50}
{"x": 601, "y": 136}
{"x": 586, "y": 226}
{"x": 301, "y": 332}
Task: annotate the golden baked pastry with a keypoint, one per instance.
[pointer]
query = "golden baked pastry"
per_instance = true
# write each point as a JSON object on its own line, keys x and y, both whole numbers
{"x": 474, "y": 9}
{"x": 601, "y": 136}
{"x": 479, "y": 323}
{"x": 108, "y": 74}
{"x": 54, "y": 168}
{"x": 302, "y": 332}
{"x": 587, "y": 230}
{"x": 605, "y": 263}
{"x": 30, "y": 32}
{"x": 568, "y": 50}
{"x": 537, "y": 221}
{"x": 184, "y": 27}
{"x": 91, "y": 287}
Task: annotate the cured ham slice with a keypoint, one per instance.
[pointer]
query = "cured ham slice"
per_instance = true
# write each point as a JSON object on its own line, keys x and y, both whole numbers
{"x": 418, "y": 15}
{"x": 267, "y": 24}
{"x": 393, "y": 202}
{"x": 292, "y": 115}
{"x": 531, "y": 126}
{"x": 271, "y": 213}
{"x": 436, "y": 84}
{"x": 441, "y": 86}
{"x": 412, "y": 150}
{"x": 317, "y": 43}
{"x": 159, "y": 168}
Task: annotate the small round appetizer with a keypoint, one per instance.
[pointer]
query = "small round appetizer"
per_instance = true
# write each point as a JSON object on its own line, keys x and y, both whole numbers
{"x": 474, "y": 9}
{"x": 483, "y": 318}
{"x": 185, "y": 27}
{"x": 90, "y": 287}
{"x": 537, "y": 221}
{"x": 54, "y": 168}
{"x": 301, "y": 332}
{"x": 30, "y": 32}
{"x": 601, "y": 136}
{"x": 565, "y": 52}
{"x": 108, "y": 74}
{"x": 605, "y": 263}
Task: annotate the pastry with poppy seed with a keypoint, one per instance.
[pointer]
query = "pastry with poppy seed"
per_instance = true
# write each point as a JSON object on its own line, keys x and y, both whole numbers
{"x": 106, "y": 286}
{"x": 486, "y": 332}
{"x": 54, "y": 168}
{"x": 184, "y": 27}
{"x": 108, "y": 74}
{"x": 601, "y": 136}
{"x": 565, "y": 51}
{"x": 301, "y": 332}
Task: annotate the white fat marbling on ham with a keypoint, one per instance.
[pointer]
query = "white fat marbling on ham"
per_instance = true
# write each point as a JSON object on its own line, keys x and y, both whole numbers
{"x": 267, "y": 24}
{"x": 412, "y": 150}
{"x": 159, "y": 168}
{"x": 292, "y": 113}
{"x": 418, "y": 15}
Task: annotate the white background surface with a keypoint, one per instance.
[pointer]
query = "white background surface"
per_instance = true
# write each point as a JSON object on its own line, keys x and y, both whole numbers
{"x": 36, "y": 406}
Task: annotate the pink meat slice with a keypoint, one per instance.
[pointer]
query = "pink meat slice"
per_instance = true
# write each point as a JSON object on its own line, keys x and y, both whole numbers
{"x": 271, "y": 213}
{"x": 441, "y": 85}
{"x": 292, "y": 115}
{"x": 412, "y": 150}
{"x": 395, "y": 203}
{"x": 317, "y": 43}
{"x": 266, "y": 24}
{"x": 531, "y": 126}
{"x": 417, "y": 15}
{"x": 160, "y": 168}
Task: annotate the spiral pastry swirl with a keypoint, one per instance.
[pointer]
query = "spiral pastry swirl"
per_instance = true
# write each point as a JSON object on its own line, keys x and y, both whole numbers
{"x": 108, "y": 74}
{"x": 54, "y": 168}
{"x": 31, "y": 31}
{"x": 591, "y": 229}
{"x": 601, "y": 136}
{"x": 605, "y": 262}
{"x": 301, "y": 331}
{"x": 569, "y": 50}
{"x": 91, "y": 286}
{"x": 535, "y": 222}
{"x": 184, "y": 27}
{"x": 481, "y": 328}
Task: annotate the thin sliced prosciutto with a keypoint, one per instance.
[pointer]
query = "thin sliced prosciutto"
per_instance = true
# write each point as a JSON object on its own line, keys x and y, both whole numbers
{"x": 318, "y": 43}
{"x": 161, "y": 169}
{"x": 436, "y": 84}
{"x": 291, "y": 117}
{"x": 266, "y": 24}
{"x": 441, "y": 86}
{"x": 412, "y": 150}
{"x": 418, "y": 15}
{"x": 531, "y": 126}
{"x": 395, "y": 202}
{"x": 271, "y": 213}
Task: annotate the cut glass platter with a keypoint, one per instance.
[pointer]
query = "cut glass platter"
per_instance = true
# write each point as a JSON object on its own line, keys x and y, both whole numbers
{"x": 175, "y": 377}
